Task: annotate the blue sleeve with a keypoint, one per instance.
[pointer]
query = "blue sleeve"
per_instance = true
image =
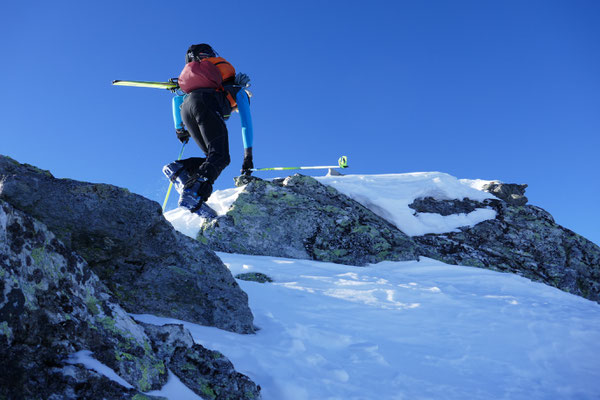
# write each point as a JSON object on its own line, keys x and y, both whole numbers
{"x": 243, "y": 104}
{"x": 177, "y": 102}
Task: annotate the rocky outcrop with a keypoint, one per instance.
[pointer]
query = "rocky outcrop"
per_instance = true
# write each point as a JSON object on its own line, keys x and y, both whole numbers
{"x": 512, "y": 193}
{"x": 52, "y": 305}
{"x": 254, "y": 277}
{"x": 298, "y": 217}
{"x": 146, "y": 264}
{"x": 208, "y": 373}
{"x": 524, "y": 240}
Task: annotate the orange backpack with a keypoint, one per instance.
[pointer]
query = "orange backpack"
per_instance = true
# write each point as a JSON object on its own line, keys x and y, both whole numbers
{"x": 228, "y": 74}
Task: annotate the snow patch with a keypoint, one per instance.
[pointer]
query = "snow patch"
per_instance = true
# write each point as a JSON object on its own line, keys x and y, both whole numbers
{"x": 185, "y": 222}
{"x": 85, "y": 357}
{"x": 174, "y": 389}
{"x": 221, "y": 200}
{"x": 189, "y": 223}
{"x": 477, "y": 184}
{"x": 389, "y": 196}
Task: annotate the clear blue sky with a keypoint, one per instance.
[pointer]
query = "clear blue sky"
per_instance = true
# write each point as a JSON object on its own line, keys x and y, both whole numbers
{"x": 506, "y": 90}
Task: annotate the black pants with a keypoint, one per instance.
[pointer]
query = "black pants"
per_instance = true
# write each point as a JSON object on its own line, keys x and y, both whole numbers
{"x": 202, "y": 115}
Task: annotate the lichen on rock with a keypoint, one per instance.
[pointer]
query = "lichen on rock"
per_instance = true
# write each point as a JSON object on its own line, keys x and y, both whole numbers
{"x": 52, "y": 305}
{"x": 127, "y": 242}
{"x": 207, "y": 372}
{"x": 298, "y": 217}
{"x": 522, "y": 239}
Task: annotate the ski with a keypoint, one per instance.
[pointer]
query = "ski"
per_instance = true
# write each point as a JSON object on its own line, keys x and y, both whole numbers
{"x": 172, "y": 86}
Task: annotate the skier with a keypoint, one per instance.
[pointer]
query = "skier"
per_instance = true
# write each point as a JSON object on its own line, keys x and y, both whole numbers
{"x": 213, "y": 90}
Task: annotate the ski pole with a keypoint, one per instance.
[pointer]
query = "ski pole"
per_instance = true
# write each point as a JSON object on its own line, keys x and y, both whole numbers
{"x": 342, "y": 163}
{"x": 171, "y": 183}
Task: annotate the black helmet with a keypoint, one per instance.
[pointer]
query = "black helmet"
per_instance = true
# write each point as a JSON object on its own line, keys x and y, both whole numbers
{"x": 197, "y": 52}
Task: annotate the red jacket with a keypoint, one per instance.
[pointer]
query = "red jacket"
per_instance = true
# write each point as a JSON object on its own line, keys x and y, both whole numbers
{"x": 202, "y": 74}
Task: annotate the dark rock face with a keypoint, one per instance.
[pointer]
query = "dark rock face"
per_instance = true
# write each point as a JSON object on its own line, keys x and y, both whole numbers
{"x": 299, "y": 217}
{"x": 208, "y": 373}
{"x": 523, "y": 240}
{"x": 146, "y": 264}
{"x": 254, "y": 277}
{"x": 445, "y": 207}
{"x": 511, "y": 193}
{"x": 52, "y": 305}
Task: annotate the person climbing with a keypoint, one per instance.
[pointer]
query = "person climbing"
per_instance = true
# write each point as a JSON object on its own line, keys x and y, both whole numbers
{"x": 212, "y": 91}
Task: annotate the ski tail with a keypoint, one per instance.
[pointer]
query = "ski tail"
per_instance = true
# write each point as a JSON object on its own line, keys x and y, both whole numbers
{"x": 148, "y": 84}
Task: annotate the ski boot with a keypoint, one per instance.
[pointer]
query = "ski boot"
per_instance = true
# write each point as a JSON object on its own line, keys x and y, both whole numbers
{"x": 195, "y": 193}
{"x": 206, "y": 212}
{"x": 177, "y": 174}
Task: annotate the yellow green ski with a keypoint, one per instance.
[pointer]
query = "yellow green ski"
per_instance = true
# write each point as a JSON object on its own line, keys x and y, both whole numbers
{"x": 172, "y": 86}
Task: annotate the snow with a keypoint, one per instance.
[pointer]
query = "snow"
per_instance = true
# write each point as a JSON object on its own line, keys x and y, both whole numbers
{"x": 386, "y": 195}
{"x": 389, "y": 195}
{"x": 405, "y": 330}
{"x": 184, "y": 221}
{"x": 189, "y": 223}
{"x": 408, "y": 330}
{"x": 85, "y": 358}
{"x": 221, "y": 200}
{"x": 174, "y": 389}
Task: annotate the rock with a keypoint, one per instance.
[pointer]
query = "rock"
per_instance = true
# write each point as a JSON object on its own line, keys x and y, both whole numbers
{"x": 298, "y": 217}
{"x": 254, "y": 277}
{"x": 524, "y": 240}
{"x": 53, "y": 305}
{"x": 444, "y": 207}
{"x": 512, "y": 193}
{"x": 208, "y": 373}
{"x": 146, "y": 264}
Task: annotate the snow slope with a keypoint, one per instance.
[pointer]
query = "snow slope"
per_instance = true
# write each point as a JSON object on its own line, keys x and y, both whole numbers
{"x": 405, "y": 330}
{"x": 386, "y": 195}
{"x": 408, "y": 330}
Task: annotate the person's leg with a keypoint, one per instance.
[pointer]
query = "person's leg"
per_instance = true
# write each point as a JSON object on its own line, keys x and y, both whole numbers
{"x": 209, "y": 131}
{"x": 191, "y": 112}
{"x": 193, "y": 163}
{"x": 214, "y": 135}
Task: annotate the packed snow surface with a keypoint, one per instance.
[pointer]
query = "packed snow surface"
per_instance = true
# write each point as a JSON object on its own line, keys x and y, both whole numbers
{"x": 386, "y": 195}
{"x": 408, "y": 330}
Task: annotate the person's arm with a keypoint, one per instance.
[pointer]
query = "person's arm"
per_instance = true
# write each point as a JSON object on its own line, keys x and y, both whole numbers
{"x": 243, "y": 105}
{"x": 182, "y": 134}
